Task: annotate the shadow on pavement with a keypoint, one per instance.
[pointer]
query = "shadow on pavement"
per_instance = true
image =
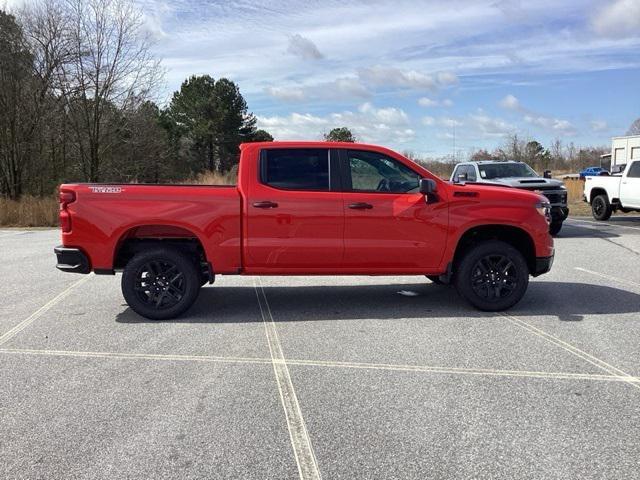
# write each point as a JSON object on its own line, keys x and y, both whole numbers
{"x": 573, "y": 230}
{"x": 566, "y": 301}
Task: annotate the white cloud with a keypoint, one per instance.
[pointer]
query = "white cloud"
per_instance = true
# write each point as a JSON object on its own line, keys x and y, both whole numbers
{"x": 621, "y": 18}
{"x": 430, "y": 103}
{"x": 427, "y": 102}
{"x": 551, "y": 124}
{"x": 370, "y": 124}
{"x": 599, "y": 126}
{"x": 447, "y": 78}
{"x": 489, "y": 126}
{"x": 285, "y": 93}
{"x": 428, "y": 121}
{"x": 304, "y": 48}
{"x": 391, "y": 76}
{"x": 450, "y": 122}
{"x": 510, "y": 102}
{"x": 340, "y": 88}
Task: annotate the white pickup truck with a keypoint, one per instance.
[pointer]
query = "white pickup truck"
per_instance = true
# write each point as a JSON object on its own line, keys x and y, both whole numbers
{"x": 608, "y": 193}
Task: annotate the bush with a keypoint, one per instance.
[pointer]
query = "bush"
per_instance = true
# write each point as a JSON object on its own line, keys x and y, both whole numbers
{"x": 29, "y": 212}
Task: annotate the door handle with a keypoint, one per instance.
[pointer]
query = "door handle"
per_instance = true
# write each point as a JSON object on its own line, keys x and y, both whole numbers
{"x": 265, "y": 204}
{"x": 361, "y": 206}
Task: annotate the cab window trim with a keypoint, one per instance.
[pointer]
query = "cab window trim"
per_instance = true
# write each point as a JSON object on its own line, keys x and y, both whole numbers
{"x": 334, "y": 181}
{"x": 345, "y": 169}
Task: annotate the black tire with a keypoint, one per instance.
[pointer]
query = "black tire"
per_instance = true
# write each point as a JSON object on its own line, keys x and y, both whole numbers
{"x": 601, "y": 209}
{"x": 555, "y": 228}
{"x": 161, "y": 283}
{"x": 492, "y": 276}
{"x": 435, "y": 279}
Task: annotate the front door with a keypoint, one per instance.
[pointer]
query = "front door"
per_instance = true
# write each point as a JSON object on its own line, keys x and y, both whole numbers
{"x": 295, "y": 216}
{"x": 630, "y": 186}
{"x": 389, "y": 226}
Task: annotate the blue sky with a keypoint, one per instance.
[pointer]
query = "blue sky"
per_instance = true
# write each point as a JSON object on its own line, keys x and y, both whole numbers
{"x": 408, "y": 74}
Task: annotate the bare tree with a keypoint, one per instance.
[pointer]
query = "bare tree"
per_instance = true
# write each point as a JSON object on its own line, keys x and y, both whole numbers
{"x": 32, "y": 51}
{"x": 111, "y": 69}
{"x": 634, "y": 129}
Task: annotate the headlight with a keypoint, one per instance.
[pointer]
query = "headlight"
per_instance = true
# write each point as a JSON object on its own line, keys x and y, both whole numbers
{"x": 544, "y": 209}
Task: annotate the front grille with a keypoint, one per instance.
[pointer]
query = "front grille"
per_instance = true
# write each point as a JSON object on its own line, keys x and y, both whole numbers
{"x": 560, "y": 197}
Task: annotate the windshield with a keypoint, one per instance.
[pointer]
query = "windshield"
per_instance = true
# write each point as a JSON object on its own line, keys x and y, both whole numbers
{"x": 506, "y": 170}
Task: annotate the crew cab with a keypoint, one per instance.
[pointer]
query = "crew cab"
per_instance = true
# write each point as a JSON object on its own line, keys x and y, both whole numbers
{"x": 518, "y": 175}
{"x": 306, "y": 208}
{"x": 608, "y": 193}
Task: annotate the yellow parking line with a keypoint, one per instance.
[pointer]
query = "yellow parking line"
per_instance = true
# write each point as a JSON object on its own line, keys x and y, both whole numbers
{"x": 300, "y": 440}
{"x": 328, "y": 364}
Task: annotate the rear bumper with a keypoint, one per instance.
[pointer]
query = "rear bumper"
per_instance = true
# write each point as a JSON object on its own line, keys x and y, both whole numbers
{"x": 543, "y": 265}
{"x": 72, "y": 260}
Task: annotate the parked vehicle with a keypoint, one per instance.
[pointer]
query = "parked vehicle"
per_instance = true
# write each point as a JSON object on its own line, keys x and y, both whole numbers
{"x": 592, "y": 172}
{"x": 518, "y": 175}
{"x": 607, "y": 194}
{"x": 306, "y": 208}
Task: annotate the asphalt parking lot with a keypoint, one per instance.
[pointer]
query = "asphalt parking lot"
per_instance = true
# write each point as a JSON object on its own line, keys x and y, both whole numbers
{"x": 309, "y": 377}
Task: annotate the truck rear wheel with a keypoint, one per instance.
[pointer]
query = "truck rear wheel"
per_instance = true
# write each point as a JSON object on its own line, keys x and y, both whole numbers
{"x": 161, "y": 283}
{"x": 492, "y": 276}
{"x": 601, "y": 208}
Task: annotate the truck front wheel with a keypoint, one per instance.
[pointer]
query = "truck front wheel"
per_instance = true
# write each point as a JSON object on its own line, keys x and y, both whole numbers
{"x": 555, "y": 228}
{"x": 161, "y": 283}
{"x": 492, "y": 276}
{"x": 601, "y": 207}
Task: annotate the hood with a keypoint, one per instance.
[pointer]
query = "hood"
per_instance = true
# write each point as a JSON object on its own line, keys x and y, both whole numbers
{"x": 528, "y": 182}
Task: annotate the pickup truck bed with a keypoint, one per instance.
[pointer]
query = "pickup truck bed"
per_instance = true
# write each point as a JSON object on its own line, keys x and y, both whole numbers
{"x": 305, "y": 208}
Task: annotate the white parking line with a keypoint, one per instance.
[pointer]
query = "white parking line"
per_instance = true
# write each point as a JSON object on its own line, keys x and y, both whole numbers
{"x": 601, "y": 364}
{"x": 35, "y": 315}
{"x": 608, "y": 277}
{"x": 300, "y": 441}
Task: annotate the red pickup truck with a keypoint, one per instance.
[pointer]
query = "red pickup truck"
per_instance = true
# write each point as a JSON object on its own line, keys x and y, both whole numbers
{"x": 307, "y": 208}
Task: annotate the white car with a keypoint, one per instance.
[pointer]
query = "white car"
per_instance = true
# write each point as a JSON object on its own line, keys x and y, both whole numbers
{"x": 608, "y": 193}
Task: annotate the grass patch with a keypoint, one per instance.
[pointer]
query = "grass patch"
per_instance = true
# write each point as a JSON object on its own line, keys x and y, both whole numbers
{"x": 29, "y": 212}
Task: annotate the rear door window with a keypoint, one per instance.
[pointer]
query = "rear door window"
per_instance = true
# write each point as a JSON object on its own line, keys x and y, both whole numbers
{"x": 296, "y": 168}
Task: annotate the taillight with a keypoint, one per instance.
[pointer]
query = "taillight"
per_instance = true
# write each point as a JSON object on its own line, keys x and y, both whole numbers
{"x": 65, "y": 217}
{"x": 66, "y": 198}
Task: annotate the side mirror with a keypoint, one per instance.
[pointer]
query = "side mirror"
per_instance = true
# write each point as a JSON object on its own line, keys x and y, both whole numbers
{"x": 428, "y": 188}
{"x": 547, "y": 174}
{"x": 463, "y": 177}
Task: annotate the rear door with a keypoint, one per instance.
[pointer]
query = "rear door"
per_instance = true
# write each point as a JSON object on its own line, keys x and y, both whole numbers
{"x": 295, "y": 212}
{"x": 389, "y": 227}
{"x": 630, "y": 186}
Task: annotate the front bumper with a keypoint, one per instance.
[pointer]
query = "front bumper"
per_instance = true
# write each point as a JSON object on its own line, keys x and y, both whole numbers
{"x": 559, "y": 214}
{"x": 71, "y": 260}
{"x": 543, "y": 265}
